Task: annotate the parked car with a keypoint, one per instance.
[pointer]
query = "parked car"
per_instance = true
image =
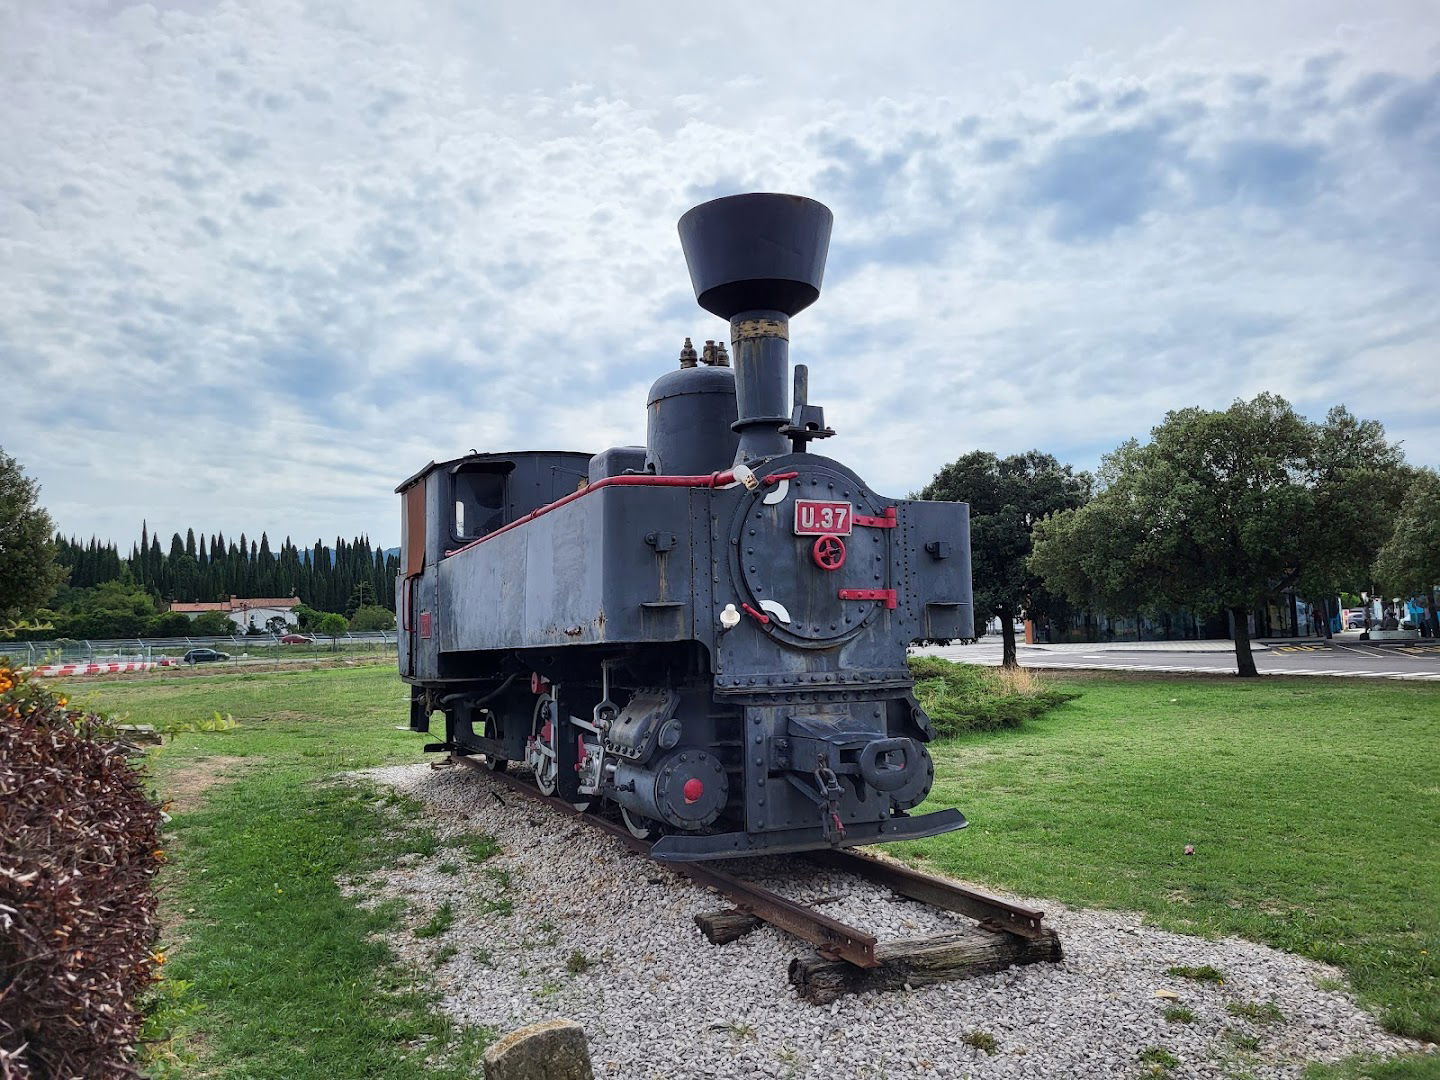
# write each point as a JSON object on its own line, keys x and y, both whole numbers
{"x": 204, "y": 656}
{"x": 1355, "y": 620}
{"x": 296, "y": 639}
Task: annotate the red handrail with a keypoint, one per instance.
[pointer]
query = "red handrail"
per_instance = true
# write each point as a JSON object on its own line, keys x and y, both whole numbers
{"x": 714, "y": 480}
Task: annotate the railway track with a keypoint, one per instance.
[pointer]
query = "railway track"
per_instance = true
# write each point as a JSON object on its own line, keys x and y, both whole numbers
{"x": 833, "y": 939}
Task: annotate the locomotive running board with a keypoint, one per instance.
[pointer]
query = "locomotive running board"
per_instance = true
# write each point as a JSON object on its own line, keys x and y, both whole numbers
{"x": 692, "y": 847}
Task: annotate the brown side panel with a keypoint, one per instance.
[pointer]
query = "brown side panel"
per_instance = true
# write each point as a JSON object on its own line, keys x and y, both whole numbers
{"x": 414, "y": 530}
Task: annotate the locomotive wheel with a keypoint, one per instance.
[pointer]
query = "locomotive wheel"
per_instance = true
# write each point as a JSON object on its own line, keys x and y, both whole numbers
{"x": 640, "y": 827}
{"x": 492, "y": 763}
{"x": 542, "y": 742}
{"x": 543, "y": 757}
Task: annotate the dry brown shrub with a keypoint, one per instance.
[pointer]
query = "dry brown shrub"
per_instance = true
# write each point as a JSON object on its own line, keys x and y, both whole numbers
{"x": 1018, "y": 680}
{"x": 79, "y": 850}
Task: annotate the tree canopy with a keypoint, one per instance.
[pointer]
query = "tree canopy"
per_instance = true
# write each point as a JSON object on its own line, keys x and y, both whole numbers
{"x": 1222, "y": 509}
{"x": 29, "y": 573}
{"x": 1409, "y": 562}
{"x": 372, "y": 617}
{"x": 332, "y": 625}
{"x": 212, "y": 624}
{"x": 1008, "y": 497}
{"x": 210, "y": 568}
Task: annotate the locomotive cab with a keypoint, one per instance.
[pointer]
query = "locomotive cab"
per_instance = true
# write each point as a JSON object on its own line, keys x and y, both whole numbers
{"x": 707, "y": 633}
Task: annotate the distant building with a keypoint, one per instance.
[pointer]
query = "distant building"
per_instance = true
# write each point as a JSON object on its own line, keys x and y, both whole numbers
{"x": 1285, "y": 615}
{"x": 247, "y": 612}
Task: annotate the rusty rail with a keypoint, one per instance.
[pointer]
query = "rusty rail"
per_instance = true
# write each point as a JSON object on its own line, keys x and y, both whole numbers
{"x": 989, "y": 911}
{"x": 833, "y": 938}
{"x": 830, "y": 936}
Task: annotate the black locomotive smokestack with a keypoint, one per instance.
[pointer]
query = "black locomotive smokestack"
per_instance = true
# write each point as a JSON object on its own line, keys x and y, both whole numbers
{"x": 756, "y": 260}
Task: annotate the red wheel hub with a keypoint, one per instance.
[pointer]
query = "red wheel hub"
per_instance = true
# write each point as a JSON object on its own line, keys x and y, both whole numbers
{"x": 828, "y": 552}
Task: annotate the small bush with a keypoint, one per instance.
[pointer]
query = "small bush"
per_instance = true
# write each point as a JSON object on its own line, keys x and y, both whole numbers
{"x": 480, "y": 847}
{"x": 441, "y": 921}
{"x": 79, "y": 849}
{"x": 577, "y": 963}
{"x": 1204, "y": 973}
{"x": 980, "y": 1040}
{"x": 1265, "y": 1012}
{"x": 1159, "y": 1059}
{"x": 960, "y": 698}
{"x": 420, "y": 842}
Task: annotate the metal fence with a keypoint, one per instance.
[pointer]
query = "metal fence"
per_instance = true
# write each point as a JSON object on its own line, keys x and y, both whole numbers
{"x": 237, "y": 651}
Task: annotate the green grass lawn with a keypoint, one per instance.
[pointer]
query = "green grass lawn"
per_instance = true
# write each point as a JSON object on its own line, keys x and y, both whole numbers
{"x": 1314, "y": 808}
{"x": 271, "y": 972}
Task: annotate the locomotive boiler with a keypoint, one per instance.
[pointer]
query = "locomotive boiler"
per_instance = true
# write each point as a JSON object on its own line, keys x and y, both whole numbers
{"x": 707, "y": 633}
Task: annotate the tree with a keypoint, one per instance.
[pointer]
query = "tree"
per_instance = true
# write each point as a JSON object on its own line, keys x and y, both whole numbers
{"x": 1409, "y": 563}
{"x": 372, "y": 617}
{"x": 1359, "y": 481}
{"x": 332, "y": 626}
{"x": 306, "y": 617}
{"x": 112, "y": 609}
{"x": 169, "y": 624}
{"x": 1222, "y": 510}
{"x": 1008, "y": 497}
{"x": 362, "y": 595}
{"x": 29, "y": 574}
{"x": 213, "y": 624}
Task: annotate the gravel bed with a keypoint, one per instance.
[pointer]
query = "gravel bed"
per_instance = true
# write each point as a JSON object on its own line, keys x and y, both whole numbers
{"x": 565, "y": 922}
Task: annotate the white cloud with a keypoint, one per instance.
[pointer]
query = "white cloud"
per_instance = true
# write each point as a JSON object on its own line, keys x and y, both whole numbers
{"x": 260, "y": 262}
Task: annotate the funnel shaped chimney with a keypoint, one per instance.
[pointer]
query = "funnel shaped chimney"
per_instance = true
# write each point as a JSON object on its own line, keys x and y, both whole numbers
{"x": 756, "y": 252}
{"x": 756, "y": 260}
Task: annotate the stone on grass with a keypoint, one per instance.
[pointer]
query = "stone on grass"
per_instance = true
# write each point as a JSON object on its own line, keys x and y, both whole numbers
{"x": 550, "y": 1050}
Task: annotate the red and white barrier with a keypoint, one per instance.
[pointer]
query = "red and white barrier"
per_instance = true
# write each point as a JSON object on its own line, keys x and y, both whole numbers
{"x": 55, "y": 670}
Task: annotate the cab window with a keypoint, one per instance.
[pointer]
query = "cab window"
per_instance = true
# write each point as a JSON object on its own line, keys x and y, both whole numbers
{"x": 479, "y": 502}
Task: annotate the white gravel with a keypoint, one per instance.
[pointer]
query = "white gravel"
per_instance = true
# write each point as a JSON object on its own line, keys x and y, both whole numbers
{"x": 660, "y": 1001}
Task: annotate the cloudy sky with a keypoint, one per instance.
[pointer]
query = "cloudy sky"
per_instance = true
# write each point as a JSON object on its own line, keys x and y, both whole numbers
{"x": 260, "y": 261}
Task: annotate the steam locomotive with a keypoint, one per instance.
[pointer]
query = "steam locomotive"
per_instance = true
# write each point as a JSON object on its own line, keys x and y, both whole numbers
{"x": 708, "y": 631}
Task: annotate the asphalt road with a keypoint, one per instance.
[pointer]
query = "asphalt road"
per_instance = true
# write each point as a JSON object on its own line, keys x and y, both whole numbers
{"x": 1420, "y": 661}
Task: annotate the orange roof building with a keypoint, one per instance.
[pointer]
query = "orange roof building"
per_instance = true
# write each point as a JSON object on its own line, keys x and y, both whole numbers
{"x": 245, "y": 611}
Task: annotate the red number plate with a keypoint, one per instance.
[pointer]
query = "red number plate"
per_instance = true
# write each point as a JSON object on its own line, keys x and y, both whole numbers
{"x": 815, "y": 517}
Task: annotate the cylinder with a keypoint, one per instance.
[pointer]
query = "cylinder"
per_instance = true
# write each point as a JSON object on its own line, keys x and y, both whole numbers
{"x": 689, "y": 416}
{"x": 686, "y": 789}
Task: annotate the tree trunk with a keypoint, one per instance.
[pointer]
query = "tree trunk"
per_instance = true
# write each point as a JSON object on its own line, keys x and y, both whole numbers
{"x": 1244, "y": 660}
{"x": 1430, "y": 607}
{"x": 1007, "y": 634}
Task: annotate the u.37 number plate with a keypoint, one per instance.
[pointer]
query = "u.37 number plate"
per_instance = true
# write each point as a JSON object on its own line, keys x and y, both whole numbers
{"x": 820, "y": 517}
